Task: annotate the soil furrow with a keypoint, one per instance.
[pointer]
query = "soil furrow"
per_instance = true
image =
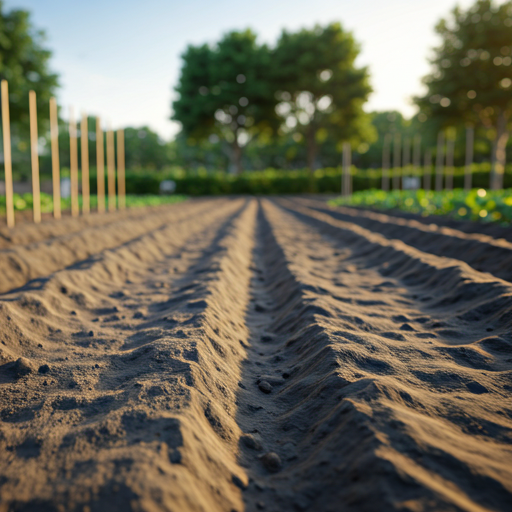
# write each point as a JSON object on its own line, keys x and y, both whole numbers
{"x": 257, "y": 355}
{"x": 482, "y": 252}
{"x": 146, "y": 398}
{"x": 21, "y": 264}
{"x": 374, "y": 389}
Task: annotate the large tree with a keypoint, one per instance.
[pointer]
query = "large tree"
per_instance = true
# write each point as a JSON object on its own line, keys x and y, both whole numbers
{"x": 24, "y": 64}
{"x": 321, "y": 91}
{"x": 226, "y": 91}
{"x": 471, "y": 78}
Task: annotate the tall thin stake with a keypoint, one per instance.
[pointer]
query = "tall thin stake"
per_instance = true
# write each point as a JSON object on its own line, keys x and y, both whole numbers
{"x": 121, "y": 183}
{"x": 427, "y": 176}
{"x": 450, "y": 149}
{"x": 36, "y": 192}
{"x": 100, "y": 166}
{"x": 84, "y": 146}
{"x": 9, "y": 200}
{"x": 439, "y": 161}
{"x": 54, "y": 130}
{"x": 406, "y": 161}
{"x": 416, "y": 157}
{"x": 347, "y": 157}
{"x": 111, "y": 170}
{"x": 73, "y": 163}
{"x": 386, "y": 157}
{"x": 396, "y": 161}
{"x": 470, "y": 133}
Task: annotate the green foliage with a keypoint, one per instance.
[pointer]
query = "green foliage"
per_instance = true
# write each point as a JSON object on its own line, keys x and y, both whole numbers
{"x": 24, "y": 201}
{"x": 24, "y": 64}
{"x": 273, "y": 181}
{"x": 471, "y": 77}
{"x": 226, "y": 91}
{"x": 321, "y": 91}
{"x": 477, "y": 204}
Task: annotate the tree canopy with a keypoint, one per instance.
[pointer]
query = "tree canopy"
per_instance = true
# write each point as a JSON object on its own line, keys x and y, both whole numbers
{"x": 24, "y": 64}
{"x": 225, "y": 91}
{"x": 471, "y": 78}
{"x": 320, "y": 89}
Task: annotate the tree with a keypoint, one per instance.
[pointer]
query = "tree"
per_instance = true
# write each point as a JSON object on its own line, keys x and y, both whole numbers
{"x": 24, "y": 64}
{"x": 321, "y": 91}
{"x": 471, "y": 78}
{"x": 226, "y": 90}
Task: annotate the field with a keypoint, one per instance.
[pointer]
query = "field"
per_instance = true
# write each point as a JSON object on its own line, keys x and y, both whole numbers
{"x": 256, "y": 354}
{"x": 477, "y": 204}
{"x": 24, "y": 202}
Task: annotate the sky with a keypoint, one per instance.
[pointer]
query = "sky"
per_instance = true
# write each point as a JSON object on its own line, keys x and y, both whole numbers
{"x": 120, "y": 59}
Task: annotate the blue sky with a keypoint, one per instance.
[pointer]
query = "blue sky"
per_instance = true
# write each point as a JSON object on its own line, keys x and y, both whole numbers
{"x": 121, "y": 58}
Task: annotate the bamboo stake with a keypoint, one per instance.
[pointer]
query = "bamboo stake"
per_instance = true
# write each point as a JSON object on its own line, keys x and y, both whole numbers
{"x": 416, "y": 157}
{"x": 396, "y": 162}
{"x": 469, "y": 157}
{"x": 54, "y": 130}
{"x": 73, "y": 164}
{"x": 111, "y": 171}
{"x": 347, "y": 185}
{"x": 450, "y": 149}
{"x": 121, "y": 182}
{"x": 386, "y": 156}
{"x": 9, "y": 199}
{"x": 439, "y": 161}
{"x": 406, "y": 159}
{"x": 100, "y": 166}
{"x": 36, "y": 191}
{"x": 84, "y": 146}
{"x": 427, "y": 177}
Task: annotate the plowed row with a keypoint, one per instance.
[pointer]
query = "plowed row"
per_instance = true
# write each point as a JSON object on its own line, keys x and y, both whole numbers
{"x": 244, "y": 354}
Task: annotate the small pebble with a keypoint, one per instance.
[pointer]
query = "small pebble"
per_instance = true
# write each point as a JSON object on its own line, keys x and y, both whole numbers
{"x": 271, "y": 461}
{"x": 91, "y": 333}
{"x": 250, "y": 441}
{"x": 265, "y": 386}
{"x": 44, "y": 368}
{"x": 23, "y": 366}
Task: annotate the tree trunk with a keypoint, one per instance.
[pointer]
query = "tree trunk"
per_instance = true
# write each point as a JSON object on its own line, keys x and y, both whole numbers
{"x": 312, "y": 147}
{"x": 500, "y": 158}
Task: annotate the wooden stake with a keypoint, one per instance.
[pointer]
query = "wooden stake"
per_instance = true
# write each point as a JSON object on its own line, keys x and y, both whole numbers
{"x": 406, "y": 161}
{"x": 396, "y": 162}
{"x": 73, "y": 165}
{"x": 386, "y": 157}
{"x": 84, "y": 146}
{"x": 427, "y": 177}
{"x": 121, "y": 183}
{"x": 100, "y": 166}
{"x": 469, "y": 157}
{"x": 439, "y": 161}
{"x": 54, "y": 130}
{"x": 346, "y": 182}
{"x": 416, "y": 157}
{"x": 450, "y": 149}
{"x": 111, "y": 171}
{"x": 9, "y": 200}
{"x": 36, "y": 192}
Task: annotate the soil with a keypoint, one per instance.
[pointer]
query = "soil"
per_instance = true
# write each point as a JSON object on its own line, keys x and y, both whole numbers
{"x": 255, "y": 354}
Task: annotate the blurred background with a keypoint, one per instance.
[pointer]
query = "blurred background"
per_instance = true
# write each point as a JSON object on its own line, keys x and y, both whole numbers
{"x": 267, "y": 91}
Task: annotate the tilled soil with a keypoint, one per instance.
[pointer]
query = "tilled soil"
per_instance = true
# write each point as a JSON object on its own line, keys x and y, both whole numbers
{"x": 243, "y": 354}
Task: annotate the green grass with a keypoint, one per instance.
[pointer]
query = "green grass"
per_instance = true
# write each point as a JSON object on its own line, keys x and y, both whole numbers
{"x": 477, "y": 204}
{"x": 24, "y": 201}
